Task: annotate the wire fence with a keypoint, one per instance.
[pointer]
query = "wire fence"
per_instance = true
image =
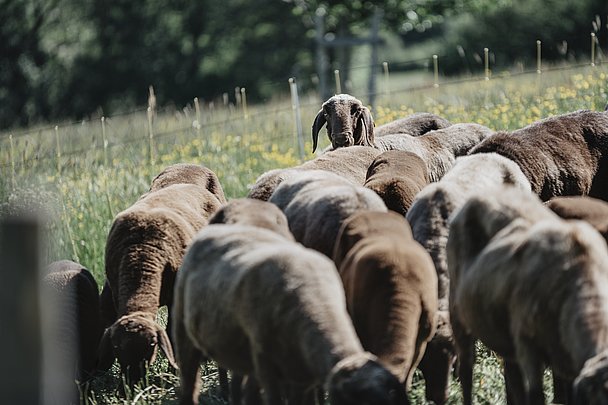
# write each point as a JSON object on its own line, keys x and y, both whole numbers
{"x": 98, "y": 138}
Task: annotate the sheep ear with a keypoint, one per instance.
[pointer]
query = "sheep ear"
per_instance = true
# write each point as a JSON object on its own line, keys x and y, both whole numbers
{"x": 316, "y": 127}
{"x": 105, "y": 352}
{"x": 366, "y": 124}
{"x": 165, "y": 345}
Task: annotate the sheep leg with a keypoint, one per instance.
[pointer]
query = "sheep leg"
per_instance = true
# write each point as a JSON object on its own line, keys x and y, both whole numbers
{"x": 531, "y": 370}
{"x": 514, "y": 383}
{"x": 562, "y": 390}
{"x": 267, "y": 380}
{"x": 252, "y": 391}
{"x": 435, "y": 365}
{"x": 106, "y": 306}
{"x": 224, "y": 385}
{"x": 465, "y": 351}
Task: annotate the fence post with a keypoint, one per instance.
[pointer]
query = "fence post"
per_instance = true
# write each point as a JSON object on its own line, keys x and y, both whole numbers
{"x": 295, "y": 106}
{"x": 387, "y": 90}
{"x": 593, "y": 49}
{"x": 244, "y": 102}
{"x": 435, "y": 71}
{"x": 20, "y": 333}
{"x": 197, "y": 109}
{"x": 105, "y": 141}
{"x": 58, "y": 151}
{"x": 538, "y": 57}
{"x": 337, "y": 79}
{"x": 12, "y": 152}
{"x": 486, "y": 62}
{"x": 150, "y": 136}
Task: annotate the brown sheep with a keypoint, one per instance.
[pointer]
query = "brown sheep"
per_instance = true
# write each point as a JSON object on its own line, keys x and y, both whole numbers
{"x": 186, "y": 173}
{"x": 397, "y": 176}
{"x": 562, "y": 155}
{"x": 588, "y": 209}
{"x": 349, "y": 163}
{"x": 144, "y": 250}
{"x": 316, "y": 203}
{"x": 391, "y": 289}
{"x": 77, "y": 329}
{"x": 264, "y": 306}
{"x": 533, "y": 288}
{"x": 350, "y": 123}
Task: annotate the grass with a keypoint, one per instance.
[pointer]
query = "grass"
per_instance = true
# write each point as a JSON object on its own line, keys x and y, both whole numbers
{"x": 100, "y": 169}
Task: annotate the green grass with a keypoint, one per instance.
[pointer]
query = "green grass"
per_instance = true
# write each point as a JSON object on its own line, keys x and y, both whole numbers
{"x": 81, "y": 186}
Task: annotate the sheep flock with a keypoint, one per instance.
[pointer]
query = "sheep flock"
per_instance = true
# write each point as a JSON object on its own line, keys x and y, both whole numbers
{"x": 397, "y": 248}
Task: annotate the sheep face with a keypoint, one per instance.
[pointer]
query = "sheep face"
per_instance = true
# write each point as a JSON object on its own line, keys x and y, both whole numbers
{"x": 348, "y": 122}
{"x": 591, "y": 385}
{"x": 134, "y": 340}
{"x": 361, "y": 380}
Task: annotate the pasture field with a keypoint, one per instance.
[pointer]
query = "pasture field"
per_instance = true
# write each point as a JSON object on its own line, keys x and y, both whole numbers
{"x": 81, "y": 175}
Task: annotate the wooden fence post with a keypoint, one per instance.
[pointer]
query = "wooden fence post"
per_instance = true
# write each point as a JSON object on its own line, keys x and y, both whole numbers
{"x": 295, "y": 105}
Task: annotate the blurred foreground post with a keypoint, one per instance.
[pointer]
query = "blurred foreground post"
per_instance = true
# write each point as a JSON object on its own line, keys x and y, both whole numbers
{"x": 20, "y": 331}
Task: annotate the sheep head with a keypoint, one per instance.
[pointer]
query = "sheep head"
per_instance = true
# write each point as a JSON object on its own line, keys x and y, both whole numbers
{"x": 591, "y": 385}
{"x": 360, "y": 379}
{"x": 134, "y": 339}
{"x": 348, "y": 122}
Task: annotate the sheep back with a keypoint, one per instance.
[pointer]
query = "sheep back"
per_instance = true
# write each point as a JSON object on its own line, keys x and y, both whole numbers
{"x": 559, "y": 155}
{"x": 248, "y": 211}
{"x": 315, "y": 204}
{"x": 397, "y": 176}
{"x": 415, "y": 125}
{"x": 591, "y": 210}
{"x": 390, "y": 286}
{"x": 73, "y": 298}
{"x": 185, "y": 173}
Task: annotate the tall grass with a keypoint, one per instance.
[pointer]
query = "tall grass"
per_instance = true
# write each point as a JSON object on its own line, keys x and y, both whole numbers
{"x": 103, "y": 169}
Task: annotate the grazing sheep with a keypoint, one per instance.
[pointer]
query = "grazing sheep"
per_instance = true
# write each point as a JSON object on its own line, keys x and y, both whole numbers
{"x": 397, "y": 176}
{"x": 429, "y": 219}
{"x": 350, "y": 123}
{"x": 76, "y": 328}
{"x": 264, "y": 306}
{"x": 438, "y": 149}
{"x": 391, "y": 289}
{"x": 186, "y": 173}
{"x": 317, "y": 202}
{"x": 561, "y": 155}
{"x": 588, "y": 209}
{"x": 533, "y": 288}
{"x": 350, "y": 163}
{"x": 144, "y": 249}
{"x": 248, "y": 211}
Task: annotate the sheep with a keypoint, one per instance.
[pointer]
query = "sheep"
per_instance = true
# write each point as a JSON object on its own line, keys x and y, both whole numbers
{"x": 264, "y": 306}
{"x": 391, "y": 289}
{"x": 562, "y": 155}
{"x": 316, "y": 203}
{"x": 429, "y": 218}
{"x": 186, "y": 173}
{"x": 531, "y": 287}
{"x": 350, "y": 123}
{"x": 397, "y": 176}
{"x": 350, "y": 163}
{"x": 253, "y": 212}
{"x": 144, "y": 249}
{"x": 73, "y": 299}
{"x": 588, "y": 209}
{"x": 438, "y": 149}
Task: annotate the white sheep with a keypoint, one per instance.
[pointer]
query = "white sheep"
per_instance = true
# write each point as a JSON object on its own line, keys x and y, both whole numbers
{"x": 429, "y": 218}
{"x": 533, "y": 288}
{"x": 264, "y": 306}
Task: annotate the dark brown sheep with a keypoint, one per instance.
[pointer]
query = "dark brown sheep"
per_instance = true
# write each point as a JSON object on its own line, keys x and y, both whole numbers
{"x": 77, "y": 329}
{"x": 186, "y": 173}
{"x": 561, "y": 155}
{"x": 531, "y": 287}
{"x": 350, "y": 123}
{"x": 588, "y": 209}
{"x": 397, "y": 176}
{"x": 144, "y": 250}
{"x": 349, "y": 163}
{"x": 391, "y": 289}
